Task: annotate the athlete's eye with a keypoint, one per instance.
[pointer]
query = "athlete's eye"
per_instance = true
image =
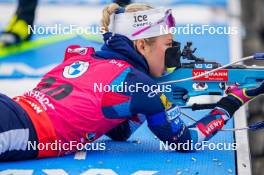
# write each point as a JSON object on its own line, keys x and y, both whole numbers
{"x": 169, "y": 44}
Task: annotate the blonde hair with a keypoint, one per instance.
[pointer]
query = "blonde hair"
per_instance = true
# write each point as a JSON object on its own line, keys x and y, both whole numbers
{"x": 134, "y": 7}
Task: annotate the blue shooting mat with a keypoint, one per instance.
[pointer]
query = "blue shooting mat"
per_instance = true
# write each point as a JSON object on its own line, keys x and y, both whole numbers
{"x": 141, "y": 154}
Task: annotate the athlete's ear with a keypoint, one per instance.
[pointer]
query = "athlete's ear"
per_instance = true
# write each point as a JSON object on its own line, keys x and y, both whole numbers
{"x": 140, "y": 46}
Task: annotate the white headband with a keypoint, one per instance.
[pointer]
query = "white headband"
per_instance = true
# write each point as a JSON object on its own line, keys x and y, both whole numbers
{"x": 130, "y": 24}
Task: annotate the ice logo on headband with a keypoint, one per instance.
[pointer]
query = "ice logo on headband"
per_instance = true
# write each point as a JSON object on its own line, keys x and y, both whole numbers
{"x": 141, "y": 20}
{"x": 142, "y": 24}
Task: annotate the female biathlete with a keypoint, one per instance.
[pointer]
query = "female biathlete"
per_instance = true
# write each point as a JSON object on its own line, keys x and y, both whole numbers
{"x": 68, "y": 105}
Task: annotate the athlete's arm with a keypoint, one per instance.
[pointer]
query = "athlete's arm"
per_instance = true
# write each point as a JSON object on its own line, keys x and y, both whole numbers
{"x": 164, "y": 118}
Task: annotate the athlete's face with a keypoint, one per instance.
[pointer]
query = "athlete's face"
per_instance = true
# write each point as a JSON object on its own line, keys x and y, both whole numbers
{"x": 154, "y": 53}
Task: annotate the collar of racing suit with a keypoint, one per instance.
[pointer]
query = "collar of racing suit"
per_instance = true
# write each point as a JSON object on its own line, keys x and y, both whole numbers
{"x": 120, "y": 47}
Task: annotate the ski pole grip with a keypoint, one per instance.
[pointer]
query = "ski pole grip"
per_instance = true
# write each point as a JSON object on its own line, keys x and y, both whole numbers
{"x": 259, "y": 56}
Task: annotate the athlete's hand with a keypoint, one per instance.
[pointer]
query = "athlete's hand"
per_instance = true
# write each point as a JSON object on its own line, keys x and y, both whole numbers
{"x": 245, "y": 94}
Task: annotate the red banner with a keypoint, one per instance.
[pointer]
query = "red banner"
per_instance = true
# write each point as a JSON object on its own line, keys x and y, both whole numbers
{"x": 220, "y": 75}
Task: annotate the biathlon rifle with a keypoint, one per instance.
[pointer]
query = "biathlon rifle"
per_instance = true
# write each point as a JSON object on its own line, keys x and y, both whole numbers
{"x": 198, "y": 77}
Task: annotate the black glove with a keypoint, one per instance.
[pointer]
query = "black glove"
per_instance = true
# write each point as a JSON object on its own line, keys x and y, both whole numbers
{"x": 180, "y": 95}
